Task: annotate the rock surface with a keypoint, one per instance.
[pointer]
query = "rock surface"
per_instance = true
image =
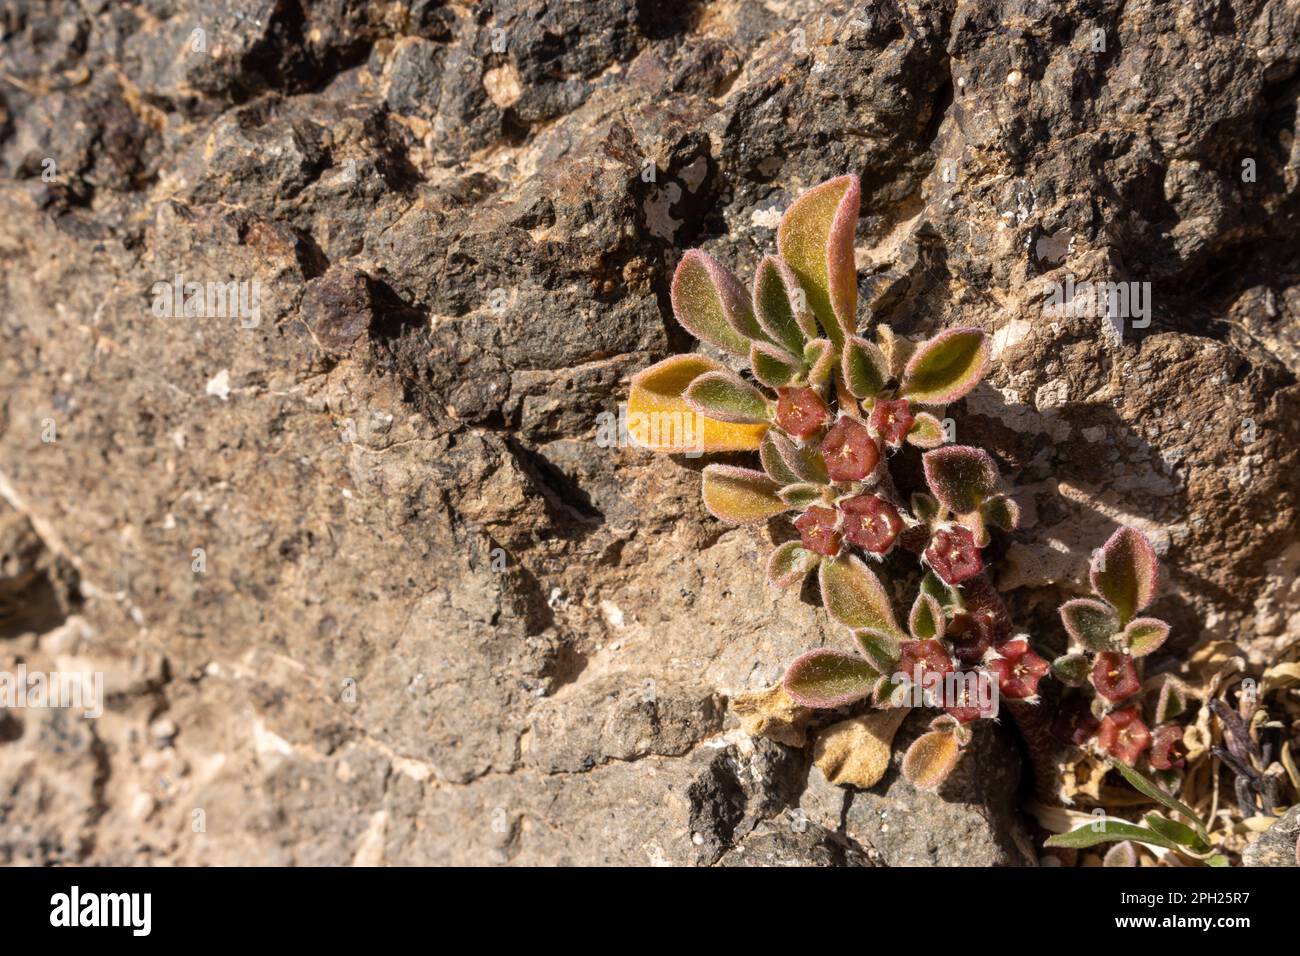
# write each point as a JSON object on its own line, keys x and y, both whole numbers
{"x": 1279, "y": 845}
{"x": 362, "y": 583}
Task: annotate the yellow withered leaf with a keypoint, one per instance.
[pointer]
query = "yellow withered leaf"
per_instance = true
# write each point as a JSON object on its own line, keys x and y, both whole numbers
{"x": 659, "y": 419}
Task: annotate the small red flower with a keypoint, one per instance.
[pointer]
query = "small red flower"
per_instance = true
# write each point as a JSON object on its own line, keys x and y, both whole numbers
{"x": 953, "y": 555}
{"x": 891, "y": 421}
{"x": 1074, "y": 723}
{"x": 929, "y": 656}
{"x": 871, "y": 522}
{"x": 1018, "y": 669}
{"x": 849, "y": 451}
{"x": 1167, "y": 747}
{"x": 1115, "y": 676}
{"x": 1123, "y": 735}
{"x": 801, "y": 411}
{"x": 965, "y": 706}
{"x": 817, "y": 530}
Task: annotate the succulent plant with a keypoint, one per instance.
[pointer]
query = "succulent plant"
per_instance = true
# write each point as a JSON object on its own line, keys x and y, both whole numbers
{"x": 826, "y": 407}
{"x": 1109, "y": 640}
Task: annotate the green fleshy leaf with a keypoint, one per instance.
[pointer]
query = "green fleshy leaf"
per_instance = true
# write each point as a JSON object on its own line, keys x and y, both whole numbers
{"x": 777, "y": 300}
{"x": 1001, "y": 512}
{"x": 880, "y": 648}
{"x": 815, "y": 238}
{"x": 866, "y": 370}
{"x": 790, "y": 564}
{"x": 930, "y": 759}
{"x": 1091, "y": 623}
{"x": 1125, "y": 572}
{"x": 855, "y": 597}
{"x": 774, "y": 366}
{"x": 824, "y": 679}
{"x": 711, "y": 304}
{"x": 926, "y": 619}
{"x": 950, "y": 599}
{"x": 1144, "y": 635}
{"x": 803, "y": 494}
{"x": 1108, "y": 831}
{"x": 727, "y": 397}
{"x": 1072, "y": 669}
{"x": 945, "y": 368}
{"x": 803, "y": 460}
{"x": 926, "y": 431}
{"x": 1180, "y": 833}
{"x": 774, "y": 464}
{"x": 1149, "y": 788}
{"x": 960, "y": 476}
{"x": 740, "y": 495}
{"x": 1219, "y": 859}
{"x": 924, "y": 507}
{"x": 819, "y": 356}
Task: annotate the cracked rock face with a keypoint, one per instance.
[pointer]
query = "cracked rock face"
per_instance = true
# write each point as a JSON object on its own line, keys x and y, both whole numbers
{"x": 361, "y": 582}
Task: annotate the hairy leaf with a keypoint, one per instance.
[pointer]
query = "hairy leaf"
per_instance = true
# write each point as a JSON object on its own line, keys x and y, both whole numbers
{"x": 1091, "y": 623}
{"x": 960, "y": 476}
{"x": 949, "y": 598}
{"x": 1001, "y": 512}
{"x": 815, "y": 238}
{"x": 790, "y": 564}
{"x": 773, "y": 365}
{"x": 1125, "y": 572}
{"x": 728, "y": 398}
{"x": 825, "y": 678}
{"x": 924, "y": 507}
{"x": 930, "y": 759}
{"x": 660, "y": 420}
{"x": 855, "y": 597}
{"x": 711, "y": 304}
{"x": 1145, "y": 635}
{"x": 866, "y": 370}
{"x": 802, "y": 460}
{"x": 774, "y": 464}
{"x": 926, "y": 619}
{"x": 946, "y": 367}
{"x": 1072, "y": 669}
{"x": 740, "y": 495}
{"x": 926, "y": 431}
{"x": 819, "y": 356}
{"x": 1121, "y": 854}
{"x": 778, "y": 298}
{"x": 880, "y": 647}
{"x": 803, "y": 494}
